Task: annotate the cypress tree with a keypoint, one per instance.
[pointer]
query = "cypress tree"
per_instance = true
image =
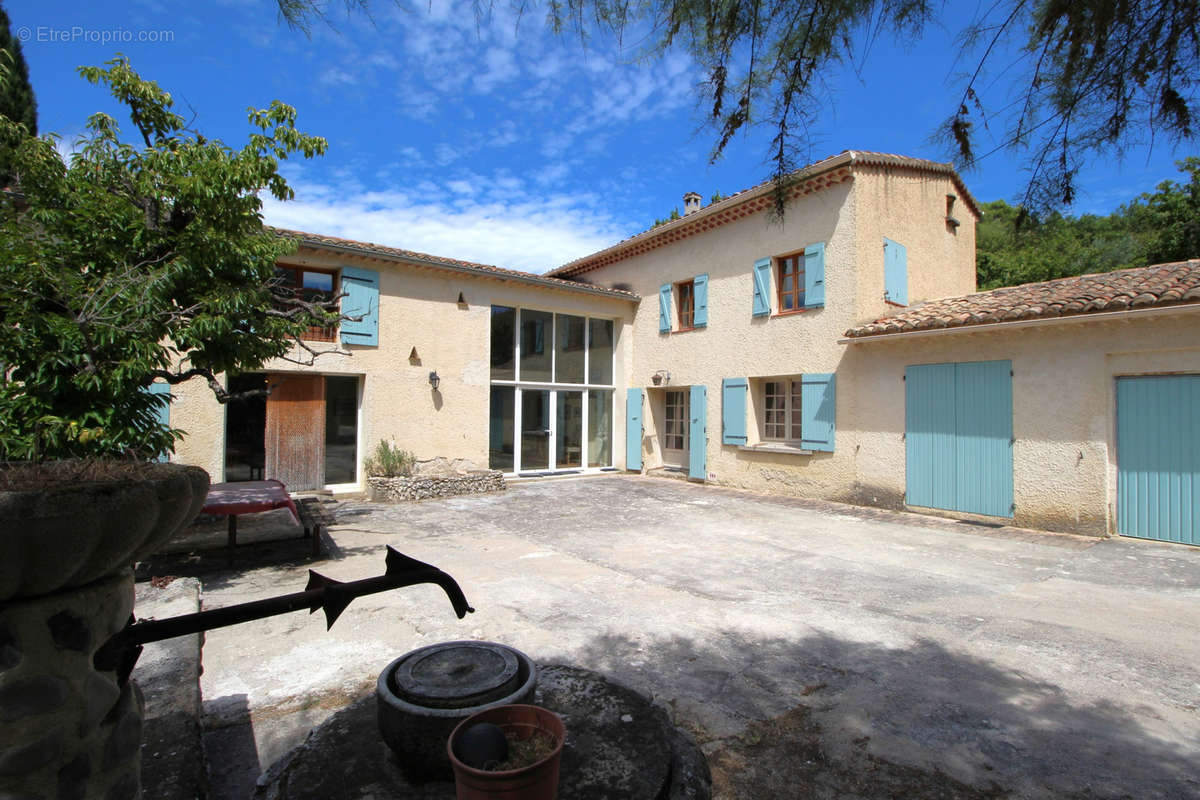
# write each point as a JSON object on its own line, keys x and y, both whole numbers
{"x": 16, "y": 94}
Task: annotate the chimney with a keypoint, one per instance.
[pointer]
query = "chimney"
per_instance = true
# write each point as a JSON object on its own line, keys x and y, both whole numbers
{"x": 691, "y": 203}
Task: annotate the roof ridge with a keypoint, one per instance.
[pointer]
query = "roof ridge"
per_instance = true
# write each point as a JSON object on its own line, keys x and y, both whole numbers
{"x": 844, "y": 158}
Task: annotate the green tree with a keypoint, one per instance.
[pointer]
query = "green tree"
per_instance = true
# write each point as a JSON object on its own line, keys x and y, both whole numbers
{"x": 1153, "y": 228}
{"x": 130, "y": 262}
{"x": 1091, "y": 77}
{"x": 1169, "y": 218}
{"x": 16, "y": 94}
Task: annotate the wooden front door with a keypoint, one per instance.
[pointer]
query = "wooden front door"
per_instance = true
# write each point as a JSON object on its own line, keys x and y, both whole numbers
{"x": 295, "y": 437}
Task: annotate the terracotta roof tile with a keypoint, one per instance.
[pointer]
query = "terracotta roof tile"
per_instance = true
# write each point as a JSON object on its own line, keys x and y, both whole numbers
{"x": 1122, "y": 290}
{"x": 424, "y": 259}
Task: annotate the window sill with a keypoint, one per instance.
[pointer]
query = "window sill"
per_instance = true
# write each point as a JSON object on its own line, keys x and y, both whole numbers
{"x": 791, "y": 313}
{"x": 688, "y": 330}
{"x": 776, "y": 447}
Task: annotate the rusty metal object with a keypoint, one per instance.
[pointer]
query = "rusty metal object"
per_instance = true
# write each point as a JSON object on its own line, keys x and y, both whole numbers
{"x": 121, "y": 652}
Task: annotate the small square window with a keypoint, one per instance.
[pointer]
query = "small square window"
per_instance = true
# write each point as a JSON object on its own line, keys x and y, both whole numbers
{"x": 686, "y": 304}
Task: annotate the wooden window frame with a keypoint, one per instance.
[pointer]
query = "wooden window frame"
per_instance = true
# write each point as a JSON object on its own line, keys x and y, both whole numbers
{"x": 797, "y": 292}
{"x": 681, "y": 420}
{"x": 685, "y": 303}
{"x": 792, "y": 419}
{"x": 315, "y": 333}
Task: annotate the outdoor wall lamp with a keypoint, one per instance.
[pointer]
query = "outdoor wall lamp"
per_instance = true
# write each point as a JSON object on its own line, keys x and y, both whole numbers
{"x": 660, "y": 377}
{"x": 434, "y": 380}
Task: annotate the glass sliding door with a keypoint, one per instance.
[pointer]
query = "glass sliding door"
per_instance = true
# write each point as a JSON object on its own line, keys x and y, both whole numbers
{"x": 551, "y": 401}
{"x": 568, "y": 432}
{"x": 599, "y": 446}
{"x": 501, "y": 446}
{"x": 535, "y": 429}
{"x": 341, "y": 430}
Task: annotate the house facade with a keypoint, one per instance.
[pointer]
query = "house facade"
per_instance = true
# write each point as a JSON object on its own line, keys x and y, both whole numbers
{"x": 527, "y": 369}
{"x": 737, "y": 369}
{"x": 839, "y": 352}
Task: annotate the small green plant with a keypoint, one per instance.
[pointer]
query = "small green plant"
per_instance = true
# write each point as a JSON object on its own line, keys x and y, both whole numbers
{"x": 390, "y": 461}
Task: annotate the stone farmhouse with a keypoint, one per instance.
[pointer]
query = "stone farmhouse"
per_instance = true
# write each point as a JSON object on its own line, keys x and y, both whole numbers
{"x": 842, "y": 352}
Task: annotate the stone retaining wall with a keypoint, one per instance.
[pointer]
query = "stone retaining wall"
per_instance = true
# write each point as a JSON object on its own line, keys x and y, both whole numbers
{"x": 427, "y": 487}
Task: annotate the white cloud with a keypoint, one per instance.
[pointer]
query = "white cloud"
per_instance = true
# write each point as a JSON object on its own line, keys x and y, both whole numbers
{"x": 519, "y": 231}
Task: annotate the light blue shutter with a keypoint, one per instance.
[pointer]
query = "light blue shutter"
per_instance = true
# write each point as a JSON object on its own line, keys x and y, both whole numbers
{"x": 700, "y": 319}
{"x": 958, "y": 437}
{"x": 814, "y": 275}
{"x": 697, "y": 438}
{"x": 818, "y": 411}
{"x": 1158, "y": 457}
{"x": 733, "y": 410}
{"x": 164, "y": 408}
{"x": 362, "y": 299}
{"x": 664, "y": 308}
{"x": 895, "y": 272}
{"x": 983, "y": 417}
{"x": 931, "y": 478}
{"x": 762, "y": 287}
{"x": 633, "y": 429}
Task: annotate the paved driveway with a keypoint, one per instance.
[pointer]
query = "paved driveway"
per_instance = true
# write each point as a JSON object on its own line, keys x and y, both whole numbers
{"x": 992, "y": 660}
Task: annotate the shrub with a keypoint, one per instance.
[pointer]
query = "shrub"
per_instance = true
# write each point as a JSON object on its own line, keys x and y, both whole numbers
{"x": 390, "y": 461}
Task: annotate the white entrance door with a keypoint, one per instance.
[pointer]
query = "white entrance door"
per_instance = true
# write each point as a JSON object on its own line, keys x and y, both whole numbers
{"x": 675, "y": 429}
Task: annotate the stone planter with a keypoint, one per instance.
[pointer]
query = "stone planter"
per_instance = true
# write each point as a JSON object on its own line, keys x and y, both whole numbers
{"x": 427, "y": 487}
{"x": 68, "y": 730}
{"x": 71, "y": 534}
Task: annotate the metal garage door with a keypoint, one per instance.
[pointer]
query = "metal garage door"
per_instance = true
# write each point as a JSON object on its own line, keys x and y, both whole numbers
{"x": 1158, "y": 457}
{"x": 958, "y": 437}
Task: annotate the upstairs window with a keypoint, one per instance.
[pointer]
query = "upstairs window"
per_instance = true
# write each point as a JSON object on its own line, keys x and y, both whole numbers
{"x": 311, "y": 286}
{"x": 687, "y": 304}
{"x": 789, "y": 281}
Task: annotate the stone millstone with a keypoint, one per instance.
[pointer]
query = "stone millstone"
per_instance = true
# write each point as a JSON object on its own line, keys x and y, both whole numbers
{"x": 457, "y": 675}
{"x": 620, "y": 746}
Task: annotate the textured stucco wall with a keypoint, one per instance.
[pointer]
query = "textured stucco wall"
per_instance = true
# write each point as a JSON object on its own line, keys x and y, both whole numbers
{"x": 418, "y": 308}
{"x": 737, "y": 344}
{"x": 852, "y": 218}
{"x": 1064, "y": 407}
{"x": 910, "y": 209}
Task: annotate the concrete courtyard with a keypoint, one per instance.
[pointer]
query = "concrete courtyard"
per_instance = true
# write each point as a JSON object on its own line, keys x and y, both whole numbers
{"x": 812, "y": 649}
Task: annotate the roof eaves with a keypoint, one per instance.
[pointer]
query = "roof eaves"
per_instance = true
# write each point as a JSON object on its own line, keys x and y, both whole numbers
{"x": 696, "y": 221}
{"x": 463, "y": 267}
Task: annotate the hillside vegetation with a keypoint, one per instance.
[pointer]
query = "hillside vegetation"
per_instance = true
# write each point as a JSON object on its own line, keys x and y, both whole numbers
{"x": 1156, "y": 227}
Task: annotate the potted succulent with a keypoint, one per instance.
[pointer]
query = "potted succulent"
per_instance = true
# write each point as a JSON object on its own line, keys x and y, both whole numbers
{"x": 509, "y": 752}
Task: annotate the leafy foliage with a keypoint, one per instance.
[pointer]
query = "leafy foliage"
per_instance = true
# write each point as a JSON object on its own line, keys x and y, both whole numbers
{"x": 16, "y": 94}
{"x": 389, "y": 461}
{"x": 1091, "y": 77}
{"x": 128, "y": 263}
{"x": 1157, "y": 227}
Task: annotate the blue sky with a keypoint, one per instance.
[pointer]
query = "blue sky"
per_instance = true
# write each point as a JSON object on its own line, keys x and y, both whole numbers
{"x": 494, "y": 142}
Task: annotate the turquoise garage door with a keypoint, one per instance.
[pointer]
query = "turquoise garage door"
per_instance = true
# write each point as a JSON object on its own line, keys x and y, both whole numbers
{"x": 1158, "y": 457}
{"x": 958, "y": 437}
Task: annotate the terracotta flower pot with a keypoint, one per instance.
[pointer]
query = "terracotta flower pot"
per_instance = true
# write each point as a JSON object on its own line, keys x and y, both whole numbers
{"x": 70, "y": 531}
{"x": 538, "y": 781}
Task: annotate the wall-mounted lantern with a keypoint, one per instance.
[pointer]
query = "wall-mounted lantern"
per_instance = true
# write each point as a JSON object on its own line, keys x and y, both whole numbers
{"x": 434, "y": 380}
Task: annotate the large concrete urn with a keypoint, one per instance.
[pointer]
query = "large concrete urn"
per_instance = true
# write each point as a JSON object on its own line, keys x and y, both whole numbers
{"x": 68, "y": 535}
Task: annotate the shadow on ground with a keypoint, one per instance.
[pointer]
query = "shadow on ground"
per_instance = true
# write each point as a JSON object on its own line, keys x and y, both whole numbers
{"x": 826, "y": 717}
